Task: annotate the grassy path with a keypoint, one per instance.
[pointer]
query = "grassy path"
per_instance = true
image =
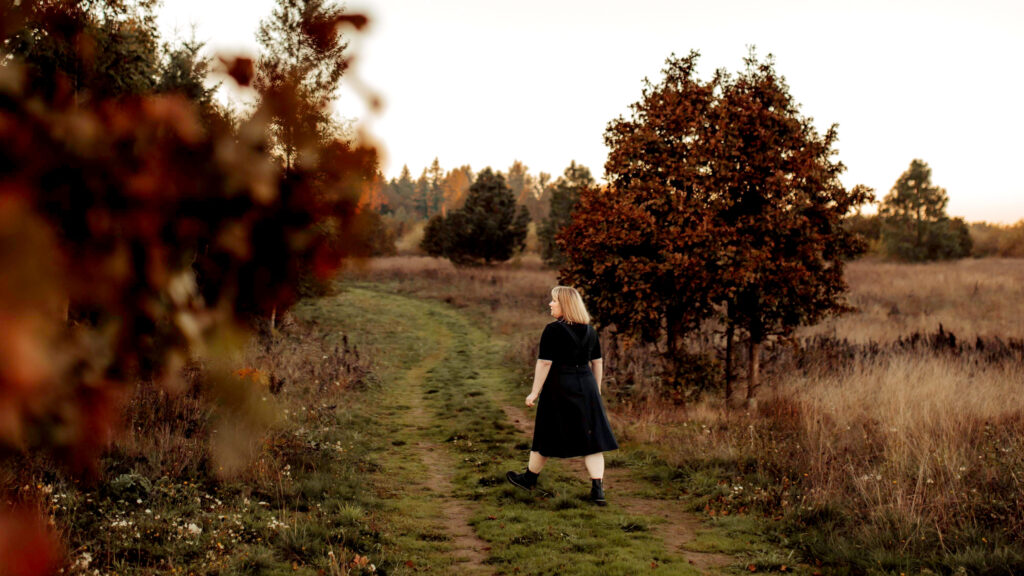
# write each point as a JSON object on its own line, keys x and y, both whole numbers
{"x": 449, "y": 413}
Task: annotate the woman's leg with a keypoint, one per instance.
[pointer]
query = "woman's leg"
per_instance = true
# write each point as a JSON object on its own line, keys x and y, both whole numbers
{"x": 527, "y": 480}
{"x": 595, "y": 467}
{"x": 594, "y": 463}
{"x": 537, "y": 462}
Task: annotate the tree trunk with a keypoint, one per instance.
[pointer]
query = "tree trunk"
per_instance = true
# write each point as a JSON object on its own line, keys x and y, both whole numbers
{"x": 273, "y": 319}
{"x": 672, "y": 352}
{"x": 753, "y": 373}
{"x": 730, "y": 352}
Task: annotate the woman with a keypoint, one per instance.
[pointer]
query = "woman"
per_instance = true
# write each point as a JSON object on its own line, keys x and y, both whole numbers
{"x": 571, "y": 420}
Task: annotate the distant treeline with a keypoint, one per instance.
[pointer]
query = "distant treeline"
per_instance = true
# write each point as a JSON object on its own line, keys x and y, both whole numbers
{"x": 911, "y": 224}
{"x": 987, "y": 240}
{"x": 405, "y": 203}
{"x": 438, "y": 191}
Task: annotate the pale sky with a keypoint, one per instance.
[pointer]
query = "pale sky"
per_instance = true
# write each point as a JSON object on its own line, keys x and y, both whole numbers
{"x": 485, "y": 83}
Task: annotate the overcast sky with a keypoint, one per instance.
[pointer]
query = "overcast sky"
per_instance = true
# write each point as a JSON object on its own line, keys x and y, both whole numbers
{"x": 489, "y": 82}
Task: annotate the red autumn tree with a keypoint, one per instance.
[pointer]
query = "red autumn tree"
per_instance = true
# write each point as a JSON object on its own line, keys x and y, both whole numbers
{"x": 643, "y": 249}
{"x": 783, "y": 209}
{"x": 721, "y": 201}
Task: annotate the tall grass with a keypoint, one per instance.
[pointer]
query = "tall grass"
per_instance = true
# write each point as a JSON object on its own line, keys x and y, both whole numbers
{"x": 968, "y": 297}
{"x": 932, "y": 440}
{"x": 892, "y": 439}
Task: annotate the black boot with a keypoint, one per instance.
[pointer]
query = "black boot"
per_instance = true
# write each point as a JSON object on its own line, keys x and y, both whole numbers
{"x": 527, "y": 480}
{"x": 597, "y": 492}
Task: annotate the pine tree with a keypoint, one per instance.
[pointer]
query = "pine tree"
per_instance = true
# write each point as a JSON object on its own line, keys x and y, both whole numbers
{"x": 915, "y": 226}
{"x": 563, "y": 196}
{"x": 487, "y": 229}
{"x": 421, "y": 196}
{"x": 435, "y": 195}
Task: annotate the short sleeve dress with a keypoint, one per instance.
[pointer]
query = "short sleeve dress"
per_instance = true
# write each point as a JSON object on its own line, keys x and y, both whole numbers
{"x": 571, "y": 419}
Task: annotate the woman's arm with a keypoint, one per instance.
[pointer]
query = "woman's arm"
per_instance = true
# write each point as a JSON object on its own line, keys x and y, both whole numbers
{"x": 597, "y": 367}
{"x": 540, "y": 374}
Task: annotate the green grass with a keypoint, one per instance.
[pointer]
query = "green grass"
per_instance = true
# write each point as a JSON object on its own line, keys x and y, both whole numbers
{"x": 343, "y": 482}
{"x": 462, "y": 393}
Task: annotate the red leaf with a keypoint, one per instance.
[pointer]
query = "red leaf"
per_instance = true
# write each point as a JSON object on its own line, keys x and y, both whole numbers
{"x": 358, "y": 21}
{"x": 241, "y": 69}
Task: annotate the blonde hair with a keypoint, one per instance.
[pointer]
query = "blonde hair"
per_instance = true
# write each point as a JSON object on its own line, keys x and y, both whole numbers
{"x": 571, "y": 302}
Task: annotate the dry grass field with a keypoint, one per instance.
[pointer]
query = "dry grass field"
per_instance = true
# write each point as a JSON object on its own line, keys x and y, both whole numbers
{"x": 881, "y": 444}
{"x": 968, "y": 297}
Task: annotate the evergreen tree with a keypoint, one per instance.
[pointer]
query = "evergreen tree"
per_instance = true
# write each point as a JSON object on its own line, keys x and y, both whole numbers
{"x": 435, "y": 238}
{"x": 563, "y": 196}
{"x": 487, "y": 229}
{"x": 435, "y": 196}
{"x": 421, "y": 196}
{"x": 106, "y": 49}
{"x": 184, "y": 72}
{"x": 915, "y": 226}
{"x": 400, "y": 192}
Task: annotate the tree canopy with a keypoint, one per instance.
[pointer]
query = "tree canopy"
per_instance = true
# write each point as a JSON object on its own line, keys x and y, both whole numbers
{"x": 90, "y": 51}
{"x": 722, "y": 201}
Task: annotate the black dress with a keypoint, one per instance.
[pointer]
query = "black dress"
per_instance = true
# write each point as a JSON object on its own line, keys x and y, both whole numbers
{"x": 571, "y": 419}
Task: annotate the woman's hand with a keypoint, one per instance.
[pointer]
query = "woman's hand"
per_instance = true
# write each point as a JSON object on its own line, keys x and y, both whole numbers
{"x": 540, "y": 373}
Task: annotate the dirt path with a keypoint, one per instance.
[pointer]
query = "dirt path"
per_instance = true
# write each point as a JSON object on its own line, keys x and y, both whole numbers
{"x": 676, "y": 527}
{"x": 451, "y": 439}
{"x": 468, "y": 551}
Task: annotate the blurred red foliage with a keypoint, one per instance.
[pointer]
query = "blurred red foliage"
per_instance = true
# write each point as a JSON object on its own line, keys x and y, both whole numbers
{"x": 28, "y": 547}
{"x": 135, "y": 232}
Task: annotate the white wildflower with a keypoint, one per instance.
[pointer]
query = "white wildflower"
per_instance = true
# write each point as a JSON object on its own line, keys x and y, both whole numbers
{"x": 83, "y": 561}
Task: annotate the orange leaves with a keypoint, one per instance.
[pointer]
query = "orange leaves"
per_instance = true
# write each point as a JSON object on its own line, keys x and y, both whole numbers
{"x": 248, "y": 374}
{"x": 722, "y": 200}
{"x": 30, "y": 302}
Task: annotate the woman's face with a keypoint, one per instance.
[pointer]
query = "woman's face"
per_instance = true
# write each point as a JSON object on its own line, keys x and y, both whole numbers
{"x": 556, "y": 308}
